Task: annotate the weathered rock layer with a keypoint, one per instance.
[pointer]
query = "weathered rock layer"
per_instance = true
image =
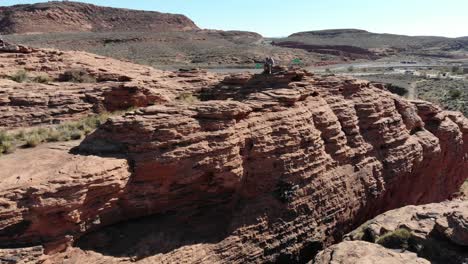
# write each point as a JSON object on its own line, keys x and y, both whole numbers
{"x": 56, "y": 16}
{"x": 108, "y": 85}
{"x": 436, "y": 232}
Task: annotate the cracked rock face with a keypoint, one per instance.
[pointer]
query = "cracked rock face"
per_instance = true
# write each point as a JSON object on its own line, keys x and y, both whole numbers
{"x": 263, "y": 169}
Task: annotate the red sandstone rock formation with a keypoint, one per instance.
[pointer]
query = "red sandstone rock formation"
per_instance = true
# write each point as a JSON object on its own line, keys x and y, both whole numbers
{"x": 438, "y": 232}
{"x": 359, "y": 252}
{"x": 114, "y": 85}
{"x": 265, "y": 169}
{"x": 67, "y": 16}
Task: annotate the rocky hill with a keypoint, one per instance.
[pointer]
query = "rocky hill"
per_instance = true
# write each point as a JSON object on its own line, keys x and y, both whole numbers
{"x": 358, "y": 42}
{"x": 257, "y": 169}
{"x": 144, "y": 37}
{"x": 203, "y": 48}
{"x": 64, "y": 16}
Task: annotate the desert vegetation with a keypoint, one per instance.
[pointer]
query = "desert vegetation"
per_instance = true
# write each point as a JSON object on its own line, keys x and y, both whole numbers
{"x": 77, "y": 76}
{"x": 29, "y": 138}
{"x": 171, "y": 50}
{"x": 73, "y": 75}
{"x": 395, "y": 239}
{"x": 449, "y": 94}
{"x": 24, "y": 76}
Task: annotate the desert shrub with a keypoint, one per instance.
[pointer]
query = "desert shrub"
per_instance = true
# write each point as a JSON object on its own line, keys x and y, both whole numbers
{"x": 77, "y": 76}
{"x": 76, "y": 134}
{"x": 20, "y": 76}
{"x": 327, "y": 70}
{"x": 456, "y": 69}
{"x": 187, "y": 98}
{"x": 350, "y": 68}
{"x": 33, "y": 140}
{"x": 6, "y": 143}
{"x": 454, "y": 94}
{"x": 42, "y": 78}
{"x": 54, "y": 136}
{"x": 94, "y": 121}
{"x": 7, "y": 147}
{"x": 401, "y": 91}
{"x": 396, "y": 239}
{"x": 20, "y": 135}
{"x": 63, "y": 132}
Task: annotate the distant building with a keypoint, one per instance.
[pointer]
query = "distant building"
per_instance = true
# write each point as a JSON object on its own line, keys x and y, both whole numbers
{"x": 433, "y": 76}
{"x": 401, "y": 71}
{"x": 458, "y": 77}
{"x": 418, "y": 73}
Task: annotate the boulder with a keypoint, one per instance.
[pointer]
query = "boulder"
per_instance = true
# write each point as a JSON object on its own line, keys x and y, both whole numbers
{"x": 359, "y": 252}
{"x": 437, "y": 232}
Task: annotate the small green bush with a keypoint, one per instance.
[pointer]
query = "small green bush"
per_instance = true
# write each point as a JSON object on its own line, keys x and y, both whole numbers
{"x": 396, "y": 239}
{"x": 20, "y": 135}
{"x": 33, "y": 140}
{"x": 455, "y": 94}
{"x": 42, "y": 78}
{"x": 350, "y": 68}
{"x": 6, "y": 143}
{"x": 76, "y": 134}
{"x": 77, "y": 76}
{"x": 20, "y": 76}
{"x": 7, "y": 147}
{"x": 54, "y": 136}
{"x": 395, "y": 89}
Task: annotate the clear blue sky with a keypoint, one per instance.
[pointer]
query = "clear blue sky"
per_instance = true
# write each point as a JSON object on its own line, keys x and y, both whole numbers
{"x": 273, "y": 18}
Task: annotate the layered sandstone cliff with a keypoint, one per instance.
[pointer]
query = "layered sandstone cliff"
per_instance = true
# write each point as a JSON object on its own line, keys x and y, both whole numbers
{"x": 263, "y": 169}
{"x": 109, "y": 85}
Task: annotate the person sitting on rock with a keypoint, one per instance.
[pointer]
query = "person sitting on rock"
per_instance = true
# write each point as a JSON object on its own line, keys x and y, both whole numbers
{"x": 269, "y": 63}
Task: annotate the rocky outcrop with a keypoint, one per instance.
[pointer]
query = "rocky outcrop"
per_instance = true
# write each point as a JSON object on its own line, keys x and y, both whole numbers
{"x": 359, "y": 252}
{"x": 75, "y": 84}
{"x": 55, "y": 16}
{"x": 47, "y": 195}
{"x": 437, "y": 232}
{"x": 263, "y": 169}
{"x": 11, "y": 48}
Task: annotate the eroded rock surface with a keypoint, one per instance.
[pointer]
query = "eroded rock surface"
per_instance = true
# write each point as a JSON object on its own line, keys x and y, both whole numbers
{"x": 264, "y": 169}
{"x": 47, "y": 195}
{"x": 56, "y": 16}
{"x": 359, "y": 252}
{"x": 108, "y": 85}
{"x": 437, "y": 232}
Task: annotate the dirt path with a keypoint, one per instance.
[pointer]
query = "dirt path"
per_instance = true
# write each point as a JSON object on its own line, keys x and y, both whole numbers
{"x": 413, "y": 90}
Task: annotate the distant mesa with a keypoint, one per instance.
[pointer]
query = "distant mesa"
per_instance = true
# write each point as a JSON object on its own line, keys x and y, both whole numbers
{"x": 328, "y": 32}
{"x": 55, "y": 16}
